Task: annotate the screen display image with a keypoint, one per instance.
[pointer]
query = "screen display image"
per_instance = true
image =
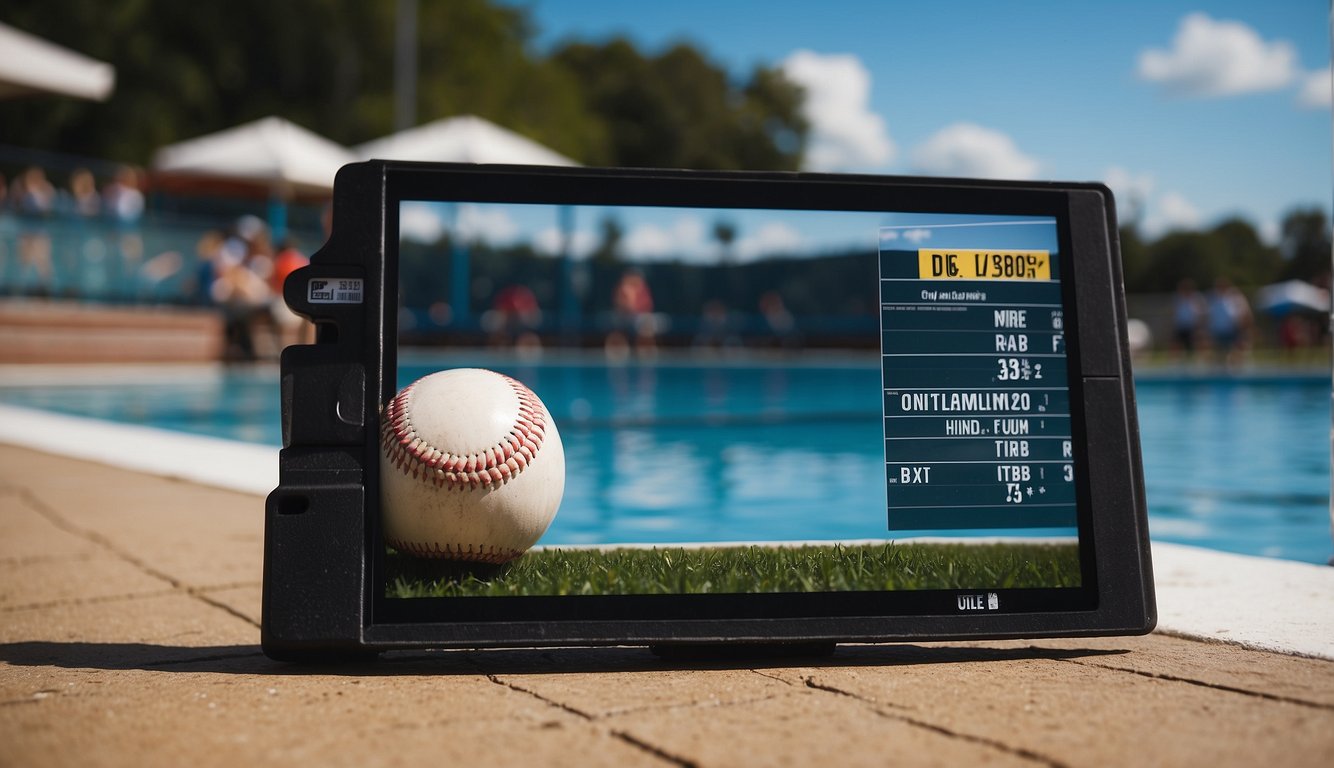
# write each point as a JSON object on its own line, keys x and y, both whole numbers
{"x": 762, "y": 401}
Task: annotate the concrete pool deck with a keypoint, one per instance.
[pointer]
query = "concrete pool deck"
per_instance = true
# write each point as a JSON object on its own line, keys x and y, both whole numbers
{"x": 131, "y": 602}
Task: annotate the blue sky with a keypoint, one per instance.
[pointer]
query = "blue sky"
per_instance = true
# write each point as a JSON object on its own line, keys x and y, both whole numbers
{"x": 664, "y": 234}
{"x": 1202, "y": 110}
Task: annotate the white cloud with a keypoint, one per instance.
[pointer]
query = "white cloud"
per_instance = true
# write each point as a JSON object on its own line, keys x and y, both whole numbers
{"x": 1317, "y": 90}
{"x": 551, "y": 240}
{"x": 1127, "y": 185}
{"x": 1132, "y": 191}
{"x": 1219, "y": 58}
{"x": 492, "y": 226}
{"x": 1271, "y": 232}
{"x": 420, "y": 222}
{"x": 1169, "y": 213}
{"x": 966, "y": 149}
{"x": 773, "y": 238}
{"x": 683, "y": 239}
{"x": 845, "y": 134}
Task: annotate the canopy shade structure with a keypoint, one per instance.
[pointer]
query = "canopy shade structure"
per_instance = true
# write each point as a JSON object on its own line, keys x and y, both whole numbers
{"x": 1292, "y": 296}
{"x": 272, "y": 156}
{"x": 463, "y": 139}
{"x": 30, "y": 65}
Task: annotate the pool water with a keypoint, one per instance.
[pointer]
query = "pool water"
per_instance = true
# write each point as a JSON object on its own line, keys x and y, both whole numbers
{"x": 687, "y": 451}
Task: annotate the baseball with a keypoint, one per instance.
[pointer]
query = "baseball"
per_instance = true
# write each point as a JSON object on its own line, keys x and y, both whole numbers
{"x": 471, "y": 467}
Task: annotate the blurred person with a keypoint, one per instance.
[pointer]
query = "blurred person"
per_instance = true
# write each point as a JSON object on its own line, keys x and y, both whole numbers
{"x": 514, "y": 318}
{"x": 290, "y": 327}
{"x": 76, "y": 248}
{"x": 1229, "y": 321}
{"x": 632, "y": 317}
{"x": 244, "y": 298}
{"x": 123, "y": 206}
{"x": 81, "y": 200}
{"x": 715, "y": 328}
{"x": 198, "y": 287}
{"x": 34, "y": 200}
{"x": 1188, "y": 310}
{"x": 1294, "y": 333}
{"x": 782, "y": 325}
{"x": 122, "y": 199}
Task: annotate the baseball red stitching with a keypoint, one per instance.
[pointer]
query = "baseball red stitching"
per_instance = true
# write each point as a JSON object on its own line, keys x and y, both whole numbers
{"x": 473, "y": 553}
{"x": 491, "y": 466}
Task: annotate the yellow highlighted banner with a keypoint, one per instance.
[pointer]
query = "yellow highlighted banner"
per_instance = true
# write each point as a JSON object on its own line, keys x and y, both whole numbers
{"x": 963, "y": 264}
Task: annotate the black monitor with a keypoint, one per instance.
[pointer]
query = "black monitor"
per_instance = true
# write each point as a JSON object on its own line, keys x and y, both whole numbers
{"x": 796, "y": 409}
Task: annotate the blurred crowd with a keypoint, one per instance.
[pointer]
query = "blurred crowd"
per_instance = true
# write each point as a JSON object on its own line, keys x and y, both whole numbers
{"x": 85, "y": 241}
{"x": 76, "y": 240}
{"x": 242, "y": 273}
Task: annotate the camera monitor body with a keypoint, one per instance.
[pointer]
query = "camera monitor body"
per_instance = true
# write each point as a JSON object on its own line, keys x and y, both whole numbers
{"x": 957, "y": 347}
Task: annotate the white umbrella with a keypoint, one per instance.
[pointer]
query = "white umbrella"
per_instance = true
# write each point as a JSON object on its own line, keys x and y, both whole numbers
{"x": 274, "y": 153}
{"x": 29, "y": 65}
{"x": 464, "y": 139}
{"x": 1292, "y": 296}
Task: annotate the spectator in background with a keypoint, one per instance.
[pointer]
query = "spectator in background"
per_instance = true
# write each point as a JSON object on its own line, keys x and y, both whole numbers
{"x": 241, "y": 288}
{"x": 514, "y": 318}
{"x": 82, "y": 200}
{"x": 782, "y": 325}
{"x": 1229, "y": 321}
{"x": 123, "y": 205}
{"x": 122, "y": 200}
{"x": 34, "y": 200}
{"x": 715, "y": 328}
{"x": 632, "y": 317}
{"x": 1188, "y": 309}
{"x": 290, "y": 327}
{"x": 77, "y": 257}
{"x": 208, "y": 266}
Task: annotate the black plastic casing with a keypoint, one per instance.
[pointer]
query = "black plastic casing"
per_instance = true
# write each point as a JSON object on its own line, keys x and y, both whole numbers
{"x": 322, "y": 597}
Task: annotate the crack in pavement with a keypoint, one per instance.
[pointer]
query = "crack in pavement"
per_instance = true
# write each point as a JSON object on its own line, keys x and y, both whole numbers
{"x": 639, "y": 744}
{"x": 55, "y": 518}
{"x": 875, "y": 706}
{"x": 1206, "y": 684}
{"x": 85, "y": 601}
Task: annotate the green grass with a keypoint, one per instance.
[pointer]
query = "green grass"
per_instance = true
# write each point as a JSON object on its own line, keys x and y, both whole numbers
{"x": 744, "y": 569}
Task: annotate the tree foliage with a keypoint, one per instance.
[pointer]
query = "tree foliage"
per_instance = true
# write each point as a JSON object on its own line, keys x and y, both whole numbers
{"x": 1232, "y": 249}
{"x": 187, "y": 69}
{"x": 677, "y": 109}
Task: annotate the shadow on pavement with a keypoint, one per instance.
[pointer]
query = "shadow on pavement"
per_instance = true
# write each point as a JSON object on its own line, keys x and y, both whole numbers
{"x": 250, "y": 660}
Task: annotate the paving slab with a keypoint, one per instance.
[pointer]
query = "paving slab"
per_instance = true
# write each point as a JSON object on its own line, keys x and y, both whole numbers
{"x": 192, "y": 535}
{"x": 129, "y": 609}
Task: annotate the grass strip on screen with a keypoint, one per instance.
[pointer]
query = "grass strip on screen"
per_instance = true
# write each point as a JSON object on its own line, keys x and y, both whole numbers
{"x": 744, "y": 569}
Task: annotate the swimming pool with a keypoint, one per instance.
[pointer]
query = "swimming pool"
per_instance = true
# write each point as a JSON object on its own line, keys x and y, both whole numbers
{"x": 692, "y": 451}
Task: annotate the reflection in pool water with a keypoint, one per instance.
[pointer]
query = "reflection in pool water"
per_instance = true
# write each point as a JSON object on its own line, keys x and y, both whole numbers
{"x": 686, "y": 452}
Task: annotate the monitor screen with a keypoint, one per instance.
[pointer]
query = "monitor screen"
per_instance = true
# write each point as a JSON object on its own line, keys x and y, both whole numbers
{"x": 761, "y": 400}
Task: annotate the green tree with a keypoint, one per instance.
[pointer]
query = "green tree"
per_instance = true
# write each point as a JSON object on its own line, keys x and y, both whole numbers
{"x": 678, "y": 109}
{"x": 1232, "y": 249}
{"x": 1305, "y": 244}
{"x": 1241, "y": 256}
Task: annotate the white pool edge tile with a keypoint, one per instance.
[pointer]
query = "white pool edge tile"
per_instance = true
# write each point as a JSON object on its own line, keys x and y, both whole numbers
{"x": 1274, "y": 605}
{"x": 212, "y": 461}
{"x": 1257, "y": 602}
